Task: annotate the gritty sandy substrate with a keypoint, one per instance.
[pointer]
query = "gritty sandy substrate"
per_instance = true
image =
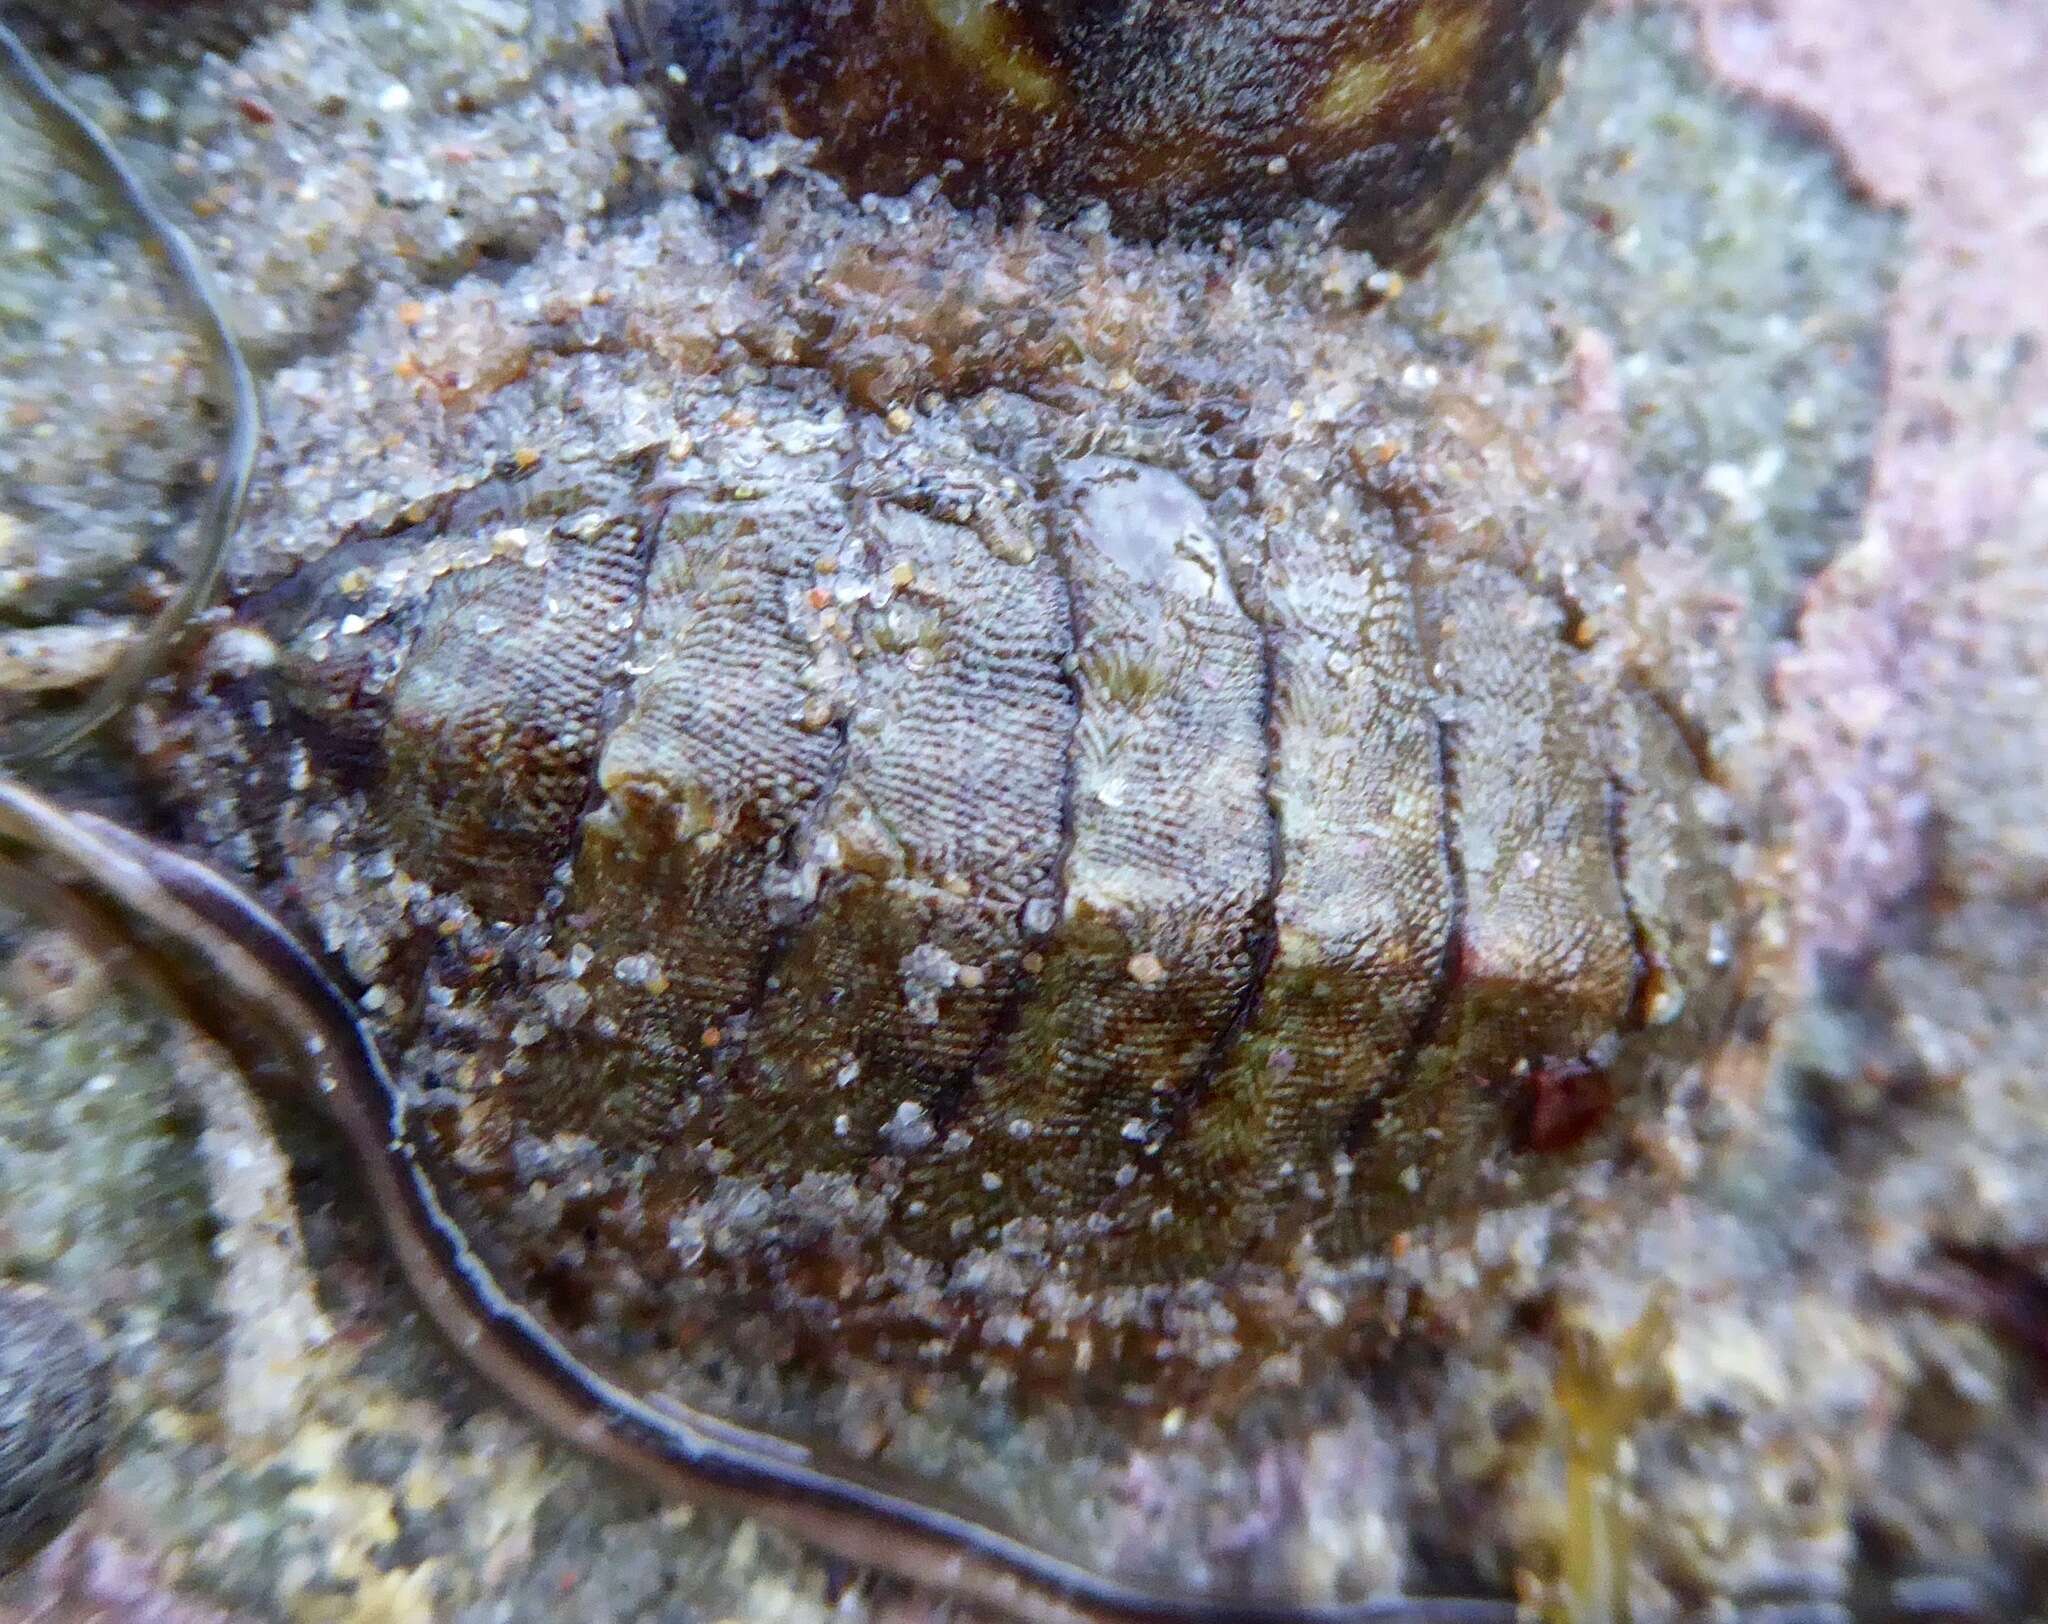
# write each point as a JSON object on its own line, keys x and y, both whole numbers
{"x": 1791, "y": 330}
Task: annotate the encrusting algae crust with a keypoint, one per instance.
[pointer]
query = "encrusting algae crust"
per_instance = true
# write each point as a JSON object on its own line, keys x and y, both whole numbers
{"x": 1585, "y": 308}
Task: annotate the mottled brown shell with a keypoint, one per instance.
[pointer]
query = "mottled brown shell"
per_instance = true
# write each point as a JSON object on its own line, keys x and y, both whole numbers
{"x": 1179, "y": 114}
{"x": 1093, "y": 854}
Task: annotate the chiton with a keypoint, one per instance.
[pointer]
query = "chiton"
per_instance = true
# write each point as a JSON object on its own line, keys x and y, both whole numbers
{"x": 917, "y": 804}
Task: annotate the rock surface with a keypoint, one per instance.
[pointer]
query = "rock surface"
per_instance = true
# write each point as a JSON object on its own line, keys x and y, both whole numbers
{"x": 1683, "y": 292}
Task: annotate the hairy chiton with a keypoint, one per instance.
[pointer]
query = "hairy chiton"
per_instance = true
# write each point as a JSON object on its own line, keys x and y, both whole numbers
{"x": 1047, "y": 833}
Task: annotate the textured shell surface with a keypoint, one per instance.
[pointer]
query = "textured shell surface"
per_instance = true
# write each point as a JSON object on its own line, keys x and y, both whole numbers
{"x": 1177, "y": 114}
{"x": 967, "y": 785}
